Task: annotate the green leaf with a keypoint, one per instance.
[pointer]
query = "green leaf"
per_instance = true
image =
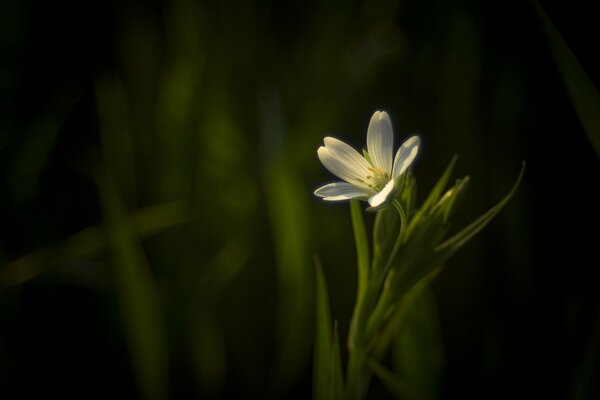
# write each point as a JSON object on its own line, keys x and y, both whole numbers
{"x": 137, "y": 292}
{"x": 384, "y": 339}
{"x": 287, "y": 204}
{"x": 401, "y": 286}
{"x": 434, "y": 195}
{"x": 408, "y": 193}
{"x": 452, "y": 198}
{"x": 418, "y": 258}
{"x": 323, "y": 372}
{"x": 417, "y": 351}
{"x": 88, "y": 242}
{"x": 581, "y": 90}
{"x": 425, "y": 236}
{"x": 437, "y": 190}
{"x": 385, "y": 232}
{"x": 337, "y": 376}
{"x": 396, "y": 386}
{"x": 362, "y": 248}
{"x": 449, "y": 246}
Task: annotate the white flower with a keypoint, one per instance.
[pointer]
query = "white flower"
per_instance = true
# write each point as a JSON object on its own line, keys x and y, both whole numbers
{"x": 374, "y": 178}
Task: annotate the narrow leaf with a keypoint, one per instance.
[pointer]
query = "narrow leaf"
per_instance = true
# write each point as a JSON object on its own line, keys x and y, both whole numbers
{"x": 439, "y": 187}
{"x": 287, "y": 206}
{"x": 417, "y": 350}
{"x": 456, "y": 241}
{"x": 452, "y": 198}
{"x": 408, "y": 193}
{"x": 434, "y": 195}
{"x": 383, "y": 341}
{"x": 385, "y": 231}
{"x": 396, "y": 386}
{"x": 137, "y": 296}
{"x": 337, "y": 377}
{"x": 322, "y": 365}
{"x": 88, "y": 242}
{"x": 581, "y": 90}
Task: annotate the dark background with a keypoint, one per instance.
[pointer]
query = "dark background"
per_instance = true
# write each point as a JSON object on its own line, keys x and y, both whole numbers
{"x": 223, "y": 105}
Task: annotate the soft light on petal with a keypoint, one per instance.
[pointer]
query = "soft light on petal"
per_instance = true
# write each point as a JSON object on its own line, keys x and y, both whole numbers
{"x": 385, "y": 196}
{"x": 347, "y": 155}
{"x": 342, "y": 191}
{"x": 405, "y": 156}
{"x": 339, "y": 168}
{"x": 380, "y": 141}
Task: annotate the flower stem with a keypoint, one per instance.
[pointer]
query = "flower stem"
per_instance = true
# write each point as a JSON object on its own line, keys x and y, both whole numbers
{"x": 403, "y": 225}
{"x": 357, "y": 378}
{"x": 359, "y": 338}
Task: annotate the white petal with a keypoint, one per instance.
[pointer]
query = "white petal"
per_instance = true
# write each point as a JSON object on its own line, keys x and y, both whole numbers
{"x": 341, "y": 191}
{"x": 380, "y": 141}
{"x": 385, "y": 196}
{"x": 339, "y": 168}
{"x": 347, "y": 155}
{"x": 405, "y": 156}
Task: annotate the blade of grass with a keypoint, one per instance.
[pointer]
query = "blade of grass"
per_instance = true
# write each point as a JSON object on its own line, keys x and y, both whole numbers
{"x": 288, "y": 209}
{"x": 438, "y": 189}
{"x": 396, "y": 386}
{"x": 337, "y": 375}
{"x": 581, "y": 90}
{"x": 452, "y": 198}
{"x": 86, "y": 243}
{"x": 417, "y": 351}
{"x": 455, "y": 242}
{"x": 385, "y": 231}
{"x": 434, "y": 195}
{"x": 383, "y": 341}
{"x": 140, "y": 309}
{"x": 322, "y": 365}
{"x": 288, "y": 214}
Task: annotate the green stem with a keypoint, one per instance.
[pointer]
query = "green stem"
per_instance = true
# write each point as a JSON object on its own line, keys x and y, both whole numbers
{"x": 380, "y": 309}
{"x": 399, "y": 242}
{"x": 357, "y": 375}
{"x": 403, "y": 225}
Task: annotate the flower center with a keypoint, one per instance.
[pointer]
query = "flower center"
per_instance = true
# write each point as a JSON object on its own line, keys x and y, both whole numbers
{"x": 378, "y": 179}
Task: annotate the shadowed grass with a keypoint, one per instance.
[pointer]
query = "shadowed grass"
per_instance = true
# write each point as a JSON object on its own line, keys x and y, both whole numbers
{"x": 87, "y": 243}
{"x": 581, "y": 90}
{"x": 137, "y": 295}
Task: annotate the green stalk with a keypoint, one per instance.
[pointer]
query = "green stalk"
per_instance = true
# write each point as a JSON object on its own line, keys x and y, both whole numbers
{"x": 357, "y": 376}
{"x": 378, "y": 315}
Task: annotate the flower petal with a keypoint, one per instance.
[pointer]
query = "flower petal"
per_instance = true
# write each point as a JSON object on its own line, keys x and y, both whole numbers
{"x": 380, "y": 141}
{"x": 341, "y": 191}
{"x": 405, "y": 156}
{"x": 340, "y": 168}
{"x": 385, "y": 196}
{"x": 346, "y": 154}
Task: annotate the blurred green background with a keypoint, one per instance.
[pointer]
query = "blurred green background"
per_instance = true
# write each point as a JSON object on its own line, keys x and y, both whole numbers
{"x": 157, "y": 163}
